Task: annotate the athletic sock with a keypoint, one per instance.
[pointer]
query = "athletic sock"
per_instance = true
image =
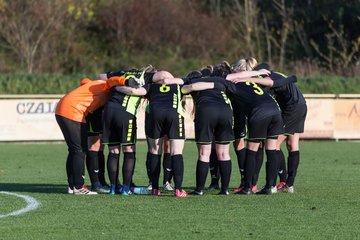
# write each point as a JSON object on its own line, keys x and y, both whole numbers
{"x": 225, "y": 173}
{"x": 241, "y": 156}
{"x": 214, "y": 168}
{"x": 167, "y": 163}
{"x": 147, "y": 163}
{"x": 202, "y": 169}
{"x": 281, "y": 165}
{"x": 177, "y": 164}
{"x": 92, "y": 164}
{"x": 293, "y": 164}
{"x": 128, "y": 167}
{"x": 250, "y": 163}
{"x": 258, "y": 165}
{"x": 154, "y": 164}
{"x": 271, "y": 168}
{"x": 113, "y": 167}
{"x": 101, "y": 162}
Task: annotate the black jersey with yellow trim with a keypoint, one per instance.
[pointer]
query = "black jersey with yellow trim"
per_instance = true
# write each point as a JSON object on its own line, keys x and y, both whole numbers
{"x": 129, "y": 103}
{"x": 248, "y": 95}
{"x": 286, "y": 95}
{"x": 210, "y": 97}
{"x": 163, "y": 96}
{"x": 144, "y": 77}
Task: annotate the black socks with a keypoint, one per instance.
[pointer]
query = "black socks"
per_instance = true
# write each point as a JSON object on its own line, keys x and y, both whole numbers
{"x": 293, "y": 164}
{"x": 177, "y": 164}
{"x": 113, "y": 167}
{"x": 92, "y": 164}
{"x": 154, "y": 165}
{"x": 225, "y": 173}
{"x": 202, "y": 169}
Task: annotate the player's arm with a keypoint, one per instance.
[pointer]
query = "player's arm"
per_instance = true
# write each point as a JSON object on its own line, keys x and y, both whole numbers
{"x": 262, "y": 81}
{"x": 247, "y": 74}
{"x": 169, "y": 81}
{"x": 122, "y": 81}
{"x": 199, "y": 86}
{"x": 268, "y": 82}
{"x": 131, "y": 91}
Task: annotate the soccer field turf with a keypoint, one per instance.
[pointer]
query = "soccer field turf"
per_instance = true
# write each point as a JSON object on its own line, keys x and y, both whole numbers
{"x": 325, "y": 205}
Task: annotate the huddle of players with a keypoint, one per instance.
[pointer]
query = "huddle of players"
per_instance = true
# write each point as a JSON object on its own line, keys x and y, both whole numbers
{"x": 224, "y": 99}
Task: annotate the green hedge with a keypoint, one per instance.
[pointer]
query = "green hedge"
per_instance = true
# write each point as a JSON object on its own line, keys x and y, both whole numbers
{"x": 60, "y": 84}
{"x": 39, "y": 83}
{"x": 329, "y": 84}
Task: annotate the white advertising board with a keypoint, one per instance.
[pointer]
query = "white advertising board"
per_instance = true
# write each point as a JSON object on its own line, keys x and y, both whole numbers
{"x": 33, "y": 119}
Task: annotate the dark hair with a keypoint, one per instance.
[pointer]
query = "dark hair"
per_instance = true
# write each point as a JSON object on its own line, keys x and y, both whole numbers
{"x": 222, "y": 70}
{"x": 207, "y": 71}
{"x": 194, "y": 74}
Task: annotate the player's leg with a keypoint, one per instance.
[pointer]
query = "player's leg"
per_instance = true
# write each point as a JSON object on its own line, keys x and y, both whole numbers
{"x": 128, "y": 168}
{"x": 282, "y": 173}
{"x": 258, "y": 165}
{"x": 222, "y": 151}
{"x": 113, "y": 167}
{"x": 166, "y": 163}
{"x": 75, "y": 135}
{"x": 240, "y": 151}
{"x": 155, "y": 149}
{"x": 177, "y": 165}
{"x": 92, "y": 163}
{"x": 275, "y": 127}
{"x": 293, "y": 160}
{"x": 271, "y": 166}
{"x": 214, "y": 169}
{"x": 202, "y": 167}
{"x": 252, "y": 147}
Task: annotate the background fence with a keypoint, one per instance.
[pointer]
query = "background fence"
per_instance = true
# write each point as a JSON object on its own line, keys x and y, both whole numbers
{"x": 31, "y": 117}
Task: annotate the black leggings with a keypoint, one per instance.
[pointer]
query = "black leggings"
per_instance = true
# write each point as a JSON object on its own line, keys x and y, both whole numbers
{"x": 75, "y": 135}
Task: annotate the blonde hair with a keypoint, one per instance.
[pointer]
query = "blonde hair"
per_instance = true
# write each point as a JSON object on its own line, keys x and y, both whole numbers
{"x": 149, "y": 69}
{"x": 244, "y": 64}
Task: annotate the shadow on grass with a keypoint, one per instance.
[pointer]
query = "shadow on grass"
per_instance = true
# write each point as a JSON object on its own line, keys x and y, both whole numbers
{"x": 33, "y": 188}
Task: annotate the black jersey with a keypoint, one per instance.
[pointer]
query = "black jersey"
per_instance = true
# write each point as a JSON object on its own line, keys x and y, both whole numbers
{"x": 211, "y": 97}
{"x": 129, "y": 103}
{"x": 286, "y": 95}
{"x": 144, "y": 77}
{"x": 162, "y": 96}
{"x": 249, "y": 96}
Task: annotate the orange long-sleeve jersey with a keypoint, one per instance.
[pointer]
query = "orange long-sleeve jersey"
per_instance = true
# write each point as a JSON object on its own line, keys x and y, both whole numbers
{"x": 88, "y": 97}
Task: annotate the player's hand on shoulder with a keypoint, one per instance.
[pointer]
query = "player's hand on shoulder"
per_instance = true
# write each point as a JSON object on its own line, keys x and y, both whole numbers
{"x": 264, "y": 72}
{"x": 134, "y": 82}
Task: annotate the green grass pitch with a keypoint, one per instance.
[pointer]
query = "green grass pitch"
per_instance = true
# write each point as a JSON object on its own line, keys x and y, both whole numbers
{"x": 326, "y": 204}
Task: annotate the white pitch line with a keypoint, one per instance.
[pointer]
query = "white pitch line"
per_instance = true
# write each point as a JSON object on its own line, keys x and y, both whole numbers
{"x": 32, "y": 204}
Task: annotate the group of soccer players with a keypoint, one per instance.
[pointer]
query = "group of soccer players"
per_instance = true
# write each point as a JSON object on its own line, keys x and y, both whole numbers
{"x": 230, "y": 102}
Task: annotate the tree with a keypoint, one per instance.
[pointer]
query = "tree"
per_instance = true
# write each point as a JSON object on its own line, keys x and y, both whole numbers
{"x": 24, "y": 32}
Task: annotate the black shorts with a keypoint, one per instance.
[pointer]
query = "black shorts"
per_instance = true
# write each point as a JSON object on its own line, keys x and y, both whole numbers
{"x": 239, "y": 123}
{"x": 119, "y": 126}
{"x": 94, "y": 122}
{"x": 163, "y": 122}
{"x": 214, "y": 123}
{"x": 265, "y": 122}
{"x": 294, "y": 119}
